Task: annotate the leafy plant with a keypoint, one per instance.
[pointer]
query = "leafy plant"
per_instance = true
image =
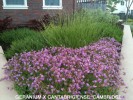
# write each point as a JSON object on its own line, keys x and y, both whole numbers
{"x": 35, "y": 25}
{"x": 111, "y": 4}
{"x": 5, "y": 23}
{"x": 13, "y": 35}
{"x": 29, "y": 43}
{"x": 40, "y": 24}
{"x": 73, "y": 31}
{"x": 46, "y": 19}
{"x": 55, "y": 70}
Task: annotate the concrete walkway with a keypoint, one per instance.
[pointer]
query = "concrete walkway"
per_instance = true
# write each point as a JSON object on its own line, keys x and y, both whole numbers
{"x": 6, "y": 91}
{"x": 127, "y": 64}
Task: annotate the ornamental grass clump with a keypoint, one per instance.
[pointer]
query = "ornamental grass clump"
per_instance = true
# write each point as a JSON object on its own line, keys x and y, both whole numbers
{"x": 60, "y": 70}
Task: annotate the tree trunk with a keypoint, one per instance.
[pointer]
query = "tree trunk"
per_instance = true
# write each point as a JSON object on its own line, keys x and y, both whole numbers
{"x": 127, "y": 14}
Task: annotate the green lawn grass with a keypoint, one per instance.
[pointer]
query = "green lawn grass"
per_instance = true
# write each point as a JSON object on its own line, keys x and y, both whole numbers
{"x": 130, "y": 22}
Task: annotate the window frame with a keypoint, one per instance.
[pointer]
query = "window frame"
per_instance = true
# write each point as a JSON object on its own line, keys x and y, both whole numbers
{"x": 122, "y": 3}
{"x": 5, "y": 6}
{"x": 52, "y": 7}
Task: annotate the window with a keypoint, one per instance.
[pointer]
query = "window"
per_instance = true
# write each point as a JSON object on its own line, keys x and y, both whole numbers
{"x": 52, "y": 4}
{"x": 15, "y": 4}
{"x": 122, "y": 3}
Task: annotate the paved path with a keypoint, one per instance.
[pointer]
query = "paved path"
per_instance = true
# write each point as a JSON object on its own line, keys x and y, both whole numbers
{"x": 5, "y": 93}
{"x": 127, "y": 64}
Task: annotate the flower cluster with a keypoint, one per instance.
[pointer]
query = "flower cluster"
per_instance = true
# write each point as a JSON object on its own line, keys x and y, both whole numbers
{"x": 60, "y": 70}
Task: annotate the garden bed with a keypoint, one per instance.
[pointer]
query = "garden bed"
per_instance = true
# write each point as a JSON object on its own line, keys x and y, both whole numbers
{"x": 55, "y": 70}
{"x": 86, "y": 44}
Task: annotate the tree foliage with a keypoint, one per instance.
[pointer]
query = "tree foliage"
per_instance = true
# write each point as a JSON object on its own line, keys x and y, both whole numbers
{"x": 111, "y": 4}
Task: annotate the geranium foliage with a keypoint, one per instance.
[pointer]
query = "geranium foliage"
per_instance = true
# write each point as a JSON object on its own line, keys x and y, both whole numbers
{"x": 60, "y": 70}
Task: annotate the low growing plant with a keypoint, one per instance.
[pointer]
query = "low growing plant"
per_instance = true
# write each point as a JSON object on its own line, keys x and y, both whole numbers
{"x": 29, "y": 43}
{"x": 7, "y": 37}
{"x": 90, "y": 70}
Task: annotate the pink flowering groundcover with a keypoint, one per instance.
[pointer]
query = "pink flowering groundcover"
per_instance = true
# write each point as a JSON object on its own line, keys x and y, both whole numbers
{"x": 91, "y": 69}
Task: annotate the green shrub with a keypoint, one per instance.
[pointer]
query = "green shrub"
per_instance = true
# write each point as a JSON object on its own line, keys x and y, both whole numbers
{"x": 8, "y": 37}
{"x": 33, "y": 42}
{"x": 73, "y": 31}
{"x": 129, "y": 20}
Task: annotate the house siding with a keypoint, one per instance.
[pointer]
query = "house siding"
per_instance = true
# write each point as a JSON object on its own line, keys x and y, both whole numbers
{"x": 122, "y": 8}
{"x": 34, "y": 11}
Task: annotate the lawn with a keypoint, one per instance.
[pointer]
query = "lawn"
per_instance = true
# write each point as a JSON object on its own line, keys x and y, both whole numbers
{"x": 86, "y": 44}
{"x": 130, "y": 22}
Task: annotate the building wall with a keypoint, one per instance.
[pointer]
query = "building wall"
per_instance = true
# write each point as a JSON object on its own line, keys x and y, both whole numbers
{"x": 34, "y": 11}
{"x": 122, "y": 8}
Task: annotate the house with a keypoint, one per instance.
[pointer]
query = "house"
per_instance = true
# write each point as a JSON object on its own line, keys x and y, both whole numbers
{"x": 24, "y": 10}
{"x": 121, "y": 7}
